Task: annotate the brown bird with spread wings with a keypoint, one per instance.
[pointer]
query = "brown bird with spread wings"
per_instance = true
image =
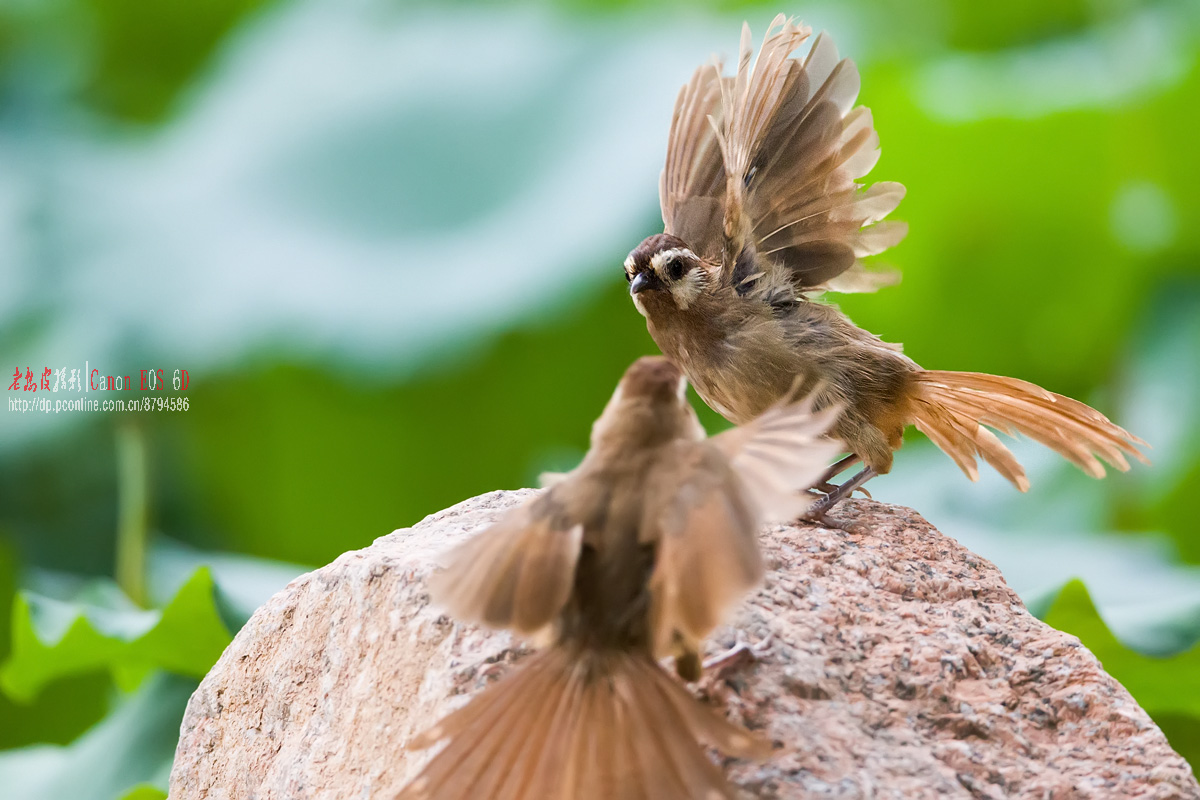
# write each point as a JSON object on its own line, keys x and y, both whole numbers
{"x": 762, "y": 208}
{"x": 631, "y": 557}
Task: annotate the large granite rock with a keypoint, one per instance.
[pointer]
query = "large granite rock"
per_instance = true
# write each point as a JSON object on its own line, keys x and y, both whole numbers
{"x": 897, "y": 664}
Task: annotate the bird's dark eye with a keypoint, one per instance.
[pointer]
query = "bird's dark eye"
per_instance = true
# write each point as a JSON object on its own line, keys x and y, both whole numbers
{"x": 675, "y": 268}
{"x": 628, "y": 276}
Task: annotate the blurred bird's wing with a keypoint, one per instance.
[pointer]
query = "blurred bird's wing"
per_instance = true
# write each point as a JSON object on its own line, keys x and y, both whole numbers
{"x": 780, "y": 454}
{"x": 518, "y": 573}
{"x": 706, "y": 530}
{"x": 709, "y": 504}
{"x": 792, "y": 145}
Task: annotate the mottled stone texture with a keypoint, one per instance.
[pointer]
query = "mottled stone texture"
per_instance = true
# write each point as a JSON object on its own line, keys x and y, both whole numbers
{"x": 896, "y": 664}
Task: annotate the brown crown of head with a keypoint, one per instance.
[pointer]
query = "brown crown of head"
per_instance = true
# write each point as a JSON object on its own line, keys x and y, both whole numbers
{"x": 639, "y": 258}
{"x": 659, "y": 262}
{"x": 656, "y": 377}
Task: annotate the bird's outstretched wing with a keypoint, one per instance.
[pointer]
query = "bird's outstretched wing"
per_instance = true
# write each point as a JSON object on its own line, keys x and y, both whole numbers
{"x": 781, "y": 453}
{"x": 710, "y": 506}
{"x": 691, "y": 188}
{"x": 774, "y": 154}
{"x": 518, "y": 573}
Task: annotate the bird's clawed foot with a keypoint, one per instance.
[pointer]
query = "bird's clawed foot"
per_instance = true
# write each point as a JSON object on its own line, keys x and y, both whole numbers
{"x": 824, "y": 486}
{"x": 835, "y": 469}
{"x": 720, "y": 666}
{"x": 828, "y": 488}
{"x": 817, "y": 511}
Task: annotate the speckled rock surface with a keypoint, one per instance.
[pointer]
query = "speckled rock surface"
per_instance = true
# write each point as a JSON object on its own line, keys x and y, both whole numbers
{"x": 897, "y": 664}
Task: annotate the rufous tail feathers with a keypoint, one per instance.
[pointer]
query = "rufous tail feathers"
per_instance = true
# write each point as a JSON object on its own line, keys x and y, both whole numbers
{"x": 951, "y": 408}
{"x": 571, "y": 725}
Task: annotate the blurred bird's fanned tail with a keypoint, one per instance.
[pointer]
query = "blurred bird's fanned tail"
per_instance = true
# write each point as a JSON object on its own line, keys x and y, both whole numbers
{"x": 580, "y": 726}
{"x": 951, "y": 408}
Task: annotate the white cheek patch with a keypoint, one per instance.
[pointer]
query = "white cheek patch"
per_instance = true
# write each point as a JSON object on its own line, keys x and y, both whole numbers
{"x": 681, "y": 390}
{"x": 687, "y": 290}
{"x": 637, "y": 303}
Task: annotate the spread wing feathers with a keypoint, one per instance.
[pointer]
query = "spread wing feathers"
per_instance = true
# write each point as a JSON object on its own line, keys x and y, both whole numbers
{"x": 859, "y": 279}
{"x": 793, "y": 146}
{"x": 780, "y": 454}
{"x": 569, "y": 726}
{"x": 718, "y": 496}
{"x": 951, "y": 408}
{"x": 706, "y": 527}
{"x": 516, "y": 574}
{"x": 691, "y": 187}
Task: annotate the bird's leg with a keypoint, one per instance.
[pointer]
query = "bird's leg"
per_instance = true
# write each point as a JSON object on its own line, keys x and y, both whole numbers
{"x": 834, "y": 470}
{"x": 740, "y": 654}
{"x": 819, "y": 509}
{"x": 686, "y": 657}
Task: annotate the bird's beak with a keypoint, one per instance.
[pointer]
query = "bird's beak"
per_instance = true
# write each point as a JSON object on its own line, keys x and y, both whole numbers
{"x": 640, "y": 283}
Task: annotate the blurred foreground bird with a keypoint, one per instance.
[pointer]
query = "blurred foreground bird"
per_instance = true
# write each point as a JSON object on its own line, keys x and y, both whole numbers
{"x": 631, "y": 557}
{"x": 761, "y": 208}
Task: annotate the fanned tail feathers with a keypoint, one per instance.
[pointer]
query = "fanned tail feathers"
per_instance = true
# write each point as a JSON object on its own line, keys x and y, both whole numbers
{"x": 951, "y": 408}
{"x": 580, "y": 726}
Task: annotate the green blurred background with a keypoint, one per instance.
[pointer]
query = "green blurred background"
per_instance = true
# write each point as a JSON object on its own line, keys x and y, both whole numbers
{"x": 385, "y": 241}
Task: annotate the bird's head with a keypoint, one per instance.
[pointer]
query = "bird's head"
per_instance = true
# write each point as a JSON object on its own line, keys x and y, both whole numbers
{"x": 649, "y": 407}
{"x": 664, "y": 270}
